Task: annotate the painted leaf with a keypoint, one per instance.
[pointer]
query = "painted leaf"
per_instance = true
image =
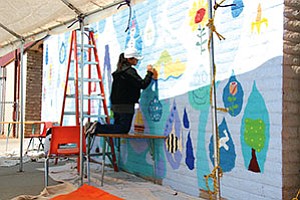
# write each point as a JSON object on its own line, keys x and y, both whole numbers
{"x": 237, "y": 9}
{"x": 186, "y": 121}
{"x": 255, "y": 132}
{"x": 233, "y": 96}
{"x": 190, "y": 158}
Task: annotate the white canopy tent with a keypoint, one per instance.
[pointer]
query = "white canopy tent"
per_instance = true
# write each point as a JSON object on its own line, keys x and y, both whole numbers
{"x": 32, "y": 20}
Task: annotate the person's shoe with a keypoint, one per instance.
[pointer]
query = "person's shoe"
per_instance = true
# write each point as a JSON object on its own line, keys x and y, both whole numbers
{"x": 91, "y": 130}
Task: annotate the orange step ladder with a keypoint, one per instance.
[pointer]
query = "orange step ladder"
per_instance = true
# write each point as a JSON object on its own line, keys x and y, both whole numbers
{"x": 92, "y": 92}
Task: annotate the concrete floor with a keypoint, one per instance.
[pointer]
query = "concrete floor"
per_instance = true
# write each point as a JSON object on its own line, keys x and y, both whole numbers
{"x": 31, "y": 181}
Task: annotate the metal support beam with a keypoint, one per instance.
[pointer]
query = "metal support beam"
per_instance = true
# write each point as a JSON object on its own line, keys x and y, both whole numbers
{"x": 213, "y": 100}
{"x": 22, "y": 104}
{"x": 10, "y": 31}
{"x": 22, "y": 88}
{"x": 72, "y": 7}
{"x": 81, "y": 21}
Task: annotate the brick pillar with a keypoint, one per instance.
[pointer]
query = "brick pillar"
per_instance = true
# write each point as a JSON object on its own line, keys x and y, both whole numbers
{"x": 33, "y": 89}
{"x": 291, "y": 101}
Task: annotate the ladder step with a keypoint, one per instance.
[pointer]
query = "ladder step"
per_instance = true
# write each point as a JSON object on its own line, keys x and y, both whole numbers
{"x": 85, "y": 115}
{"x": 90, "y": 63}
{"x": 87, "y": 62}
{"x": 86, "y": 79}
{"x": 86, "y": 46}
{"x": 69, "y": 113}
{"x": 91, "y": 80}
{"x": 92, "y": 97}
{"x": 94, "y": 116}
{"x": 86, "y": 97}
{"x": 70, "y": 95}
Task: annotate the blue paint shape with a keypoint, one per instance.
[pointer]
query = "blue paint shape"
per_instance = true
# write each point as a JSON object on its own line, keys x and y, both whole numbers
{"x": 233, "y": 96}
{"x": 47, "y": 55}
{"x": 226, "y": 148}
{"x": 154, "y": 106}
{"x": 186, "y": 121}
{"x": 133, "y": 36}
{"x": 237, "y": 9}
{"x": 190, "y": 158}
{"x": 107, "y": 68}
{"x": 62, "y": 53}
{"x": 255, "y": 110}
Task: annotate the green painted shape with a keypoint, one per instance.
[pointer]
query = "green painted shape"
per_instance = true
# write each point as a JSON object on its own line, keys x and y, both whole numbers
{"x": 254, "y": 134}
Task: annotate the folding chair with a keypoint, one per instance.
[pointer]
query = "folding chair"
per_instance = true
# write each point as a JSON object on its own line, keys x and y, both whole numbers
{"x": 40, "y": 136}
{"x": 65, "y": 142}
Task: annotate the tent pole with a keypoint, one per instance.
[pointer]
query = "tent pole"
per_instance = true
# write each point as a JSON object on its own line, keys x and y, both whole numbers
{"x": 21, "y": 106}
{"x": 81, "y": 19}
{"x": 213, "y": 101}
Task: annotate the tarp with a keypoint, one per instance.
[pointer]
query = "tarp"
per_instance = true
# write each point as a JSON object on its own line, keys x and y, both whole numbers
{"x": 31, "y": 20}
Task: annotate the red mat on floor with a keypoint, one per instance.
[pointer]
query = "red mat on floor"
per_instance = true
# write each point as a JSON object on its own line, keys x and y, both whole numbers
{"x": 87, "y": 192}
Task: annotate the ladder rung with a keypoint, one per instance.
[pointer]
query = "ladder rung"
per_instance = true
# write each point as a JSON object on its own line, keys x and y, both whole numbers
{"x": 70, "y": 95}
{"x": 92, "y": 96}
{"x": 86, "y": 97}
{"x": 90, "y": 63}
{"x": 91, "y": 80}
{"x": 87, "y": 62}
{"x": 86, "y": 79}
{"x": 69, "y": 113}
{"x": 86, "y": 46}
{"x": 85, "y": 115}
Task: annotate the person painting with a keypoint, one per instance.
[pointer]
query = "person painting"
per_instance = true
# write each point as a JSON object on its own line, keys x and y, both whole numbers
{"x": 126, "y": 91}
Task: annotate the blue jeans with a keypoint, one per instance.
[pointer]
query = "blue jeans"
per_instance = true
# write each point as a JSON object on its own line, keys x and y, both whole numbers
{"x": 122, "y": 124}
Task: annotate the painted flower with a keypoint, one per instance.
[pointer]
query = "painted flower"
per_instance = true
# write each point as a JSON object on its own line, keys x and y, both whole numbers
{"x": 198, "y": 14}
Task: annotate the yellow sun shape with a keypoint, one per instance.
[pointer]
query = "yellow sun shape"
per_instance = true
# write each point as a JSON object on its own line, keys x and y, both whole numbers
{"x": 197, "y": 5}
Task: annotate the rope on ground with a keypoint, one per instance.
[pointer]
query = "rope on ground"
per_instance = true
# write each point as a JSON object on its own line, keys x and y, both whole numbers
{"x": 213, "y": 176}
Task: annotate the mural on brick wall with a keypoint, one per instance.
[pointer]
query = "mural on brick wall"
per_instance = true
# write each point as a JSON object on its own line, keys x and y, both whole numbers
{"x": 174, "y": 38}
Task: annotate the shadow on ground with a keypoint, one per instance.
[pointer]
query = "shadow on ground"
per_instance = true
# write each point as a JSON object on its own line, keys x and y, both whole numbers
{"x": 14, "y": 183}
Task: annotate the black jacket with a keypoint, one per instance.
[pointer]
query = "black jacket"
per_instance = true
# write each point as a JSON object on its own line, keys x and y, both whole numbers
{"x": 127, "y": 85}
